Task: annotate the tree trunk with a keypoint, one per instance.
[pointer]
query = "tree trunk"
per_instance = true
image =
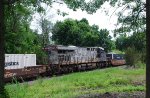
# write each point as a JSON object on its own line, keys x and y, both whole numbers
{"x": 148, "y": 48}
{"x": 2, "y": 58}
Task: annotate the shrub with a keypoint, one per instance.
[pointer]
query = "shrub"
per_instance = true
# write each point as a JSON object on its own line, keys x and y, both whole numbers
{"x": 140, "y": 64}
{"x": 132, "y": 56}
{"x": 143, "y": 56}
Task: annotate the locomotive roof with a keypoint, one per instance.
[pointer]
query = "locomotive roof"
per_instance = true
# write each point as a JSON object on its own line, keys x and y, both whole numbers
{"x": 96, "y": 47}
{"x": 62, "y": 47}
{"x": 66, "y": 47}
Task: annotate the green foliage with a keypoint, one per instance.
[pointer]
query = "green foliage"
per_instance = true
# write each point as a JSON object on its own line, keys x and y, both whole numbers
{"x": 76, "y": 84}
{"x": 118, "y": 52}
{"x": 80, "y": 33}
{"x": 19, "y": 37}
{"x": 135, "y": 21}
{"x": 66, "y": 33}
{"x": 105, "y": 40}
{"x": 134, "y": 47}
{"x": 133, "y": 57}
{"x": 46, "y": 27}
{"x": 138, "y": 40}
{"x": 121, "y": 43}
{"x": 18, "y": 17}
{"x": 140, "y": 64}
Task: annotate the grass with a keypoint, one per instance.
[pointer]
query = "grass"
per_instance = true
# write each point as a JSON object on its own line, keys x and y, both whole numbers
{"x": 76, "y": 84}
{"x": 118, "y": 51}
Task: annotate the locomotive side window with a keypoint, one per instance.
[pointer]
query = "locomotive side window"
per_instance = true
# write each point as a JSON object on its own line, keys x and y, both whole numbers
{"x": 61, "y": 51}
{"x": 65, "y": 51}
{"x": 88, "y": 49}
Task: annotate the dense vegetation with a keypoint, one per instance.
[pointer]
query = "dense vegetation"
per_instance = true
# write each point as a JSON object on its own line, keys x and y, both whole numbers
{"x": 134, "y": 47}
{"x": 77, "y": 84}
{"x": 21, "y": 39}
{"x": 80, "y": 33}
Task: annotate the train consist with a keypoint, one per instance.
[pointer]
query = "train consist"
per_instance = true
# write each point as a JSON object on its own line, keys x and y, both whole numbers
{"x": 64, "y": 59}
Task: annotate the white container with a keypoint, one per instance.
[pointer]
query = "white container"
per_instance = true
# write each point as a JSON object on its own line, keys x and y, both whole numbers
{"x": 18, "y": 61}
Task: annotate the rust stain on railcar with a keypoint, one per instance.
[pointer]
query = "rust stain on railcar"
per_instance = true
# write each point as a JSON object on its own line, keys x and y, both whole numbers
{"x": 27, "y": 72}
{"x": 118, "y": 62}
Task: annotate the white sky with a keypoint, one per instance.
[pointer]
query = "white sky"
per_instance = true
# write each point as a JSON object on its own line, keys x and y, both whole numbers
{"x": 99, "y": 18}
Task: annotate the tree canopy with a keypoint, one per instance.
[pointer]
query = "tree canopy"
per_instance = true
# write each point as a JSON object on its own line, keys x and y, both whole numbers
{"x": 137, "y": 40}
{"x": 80, "y": 33}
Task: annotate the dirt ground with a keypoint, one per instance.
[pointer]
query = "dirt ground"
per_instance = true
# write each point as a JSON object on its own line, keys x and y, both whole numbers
{"x": 115, "y": 95}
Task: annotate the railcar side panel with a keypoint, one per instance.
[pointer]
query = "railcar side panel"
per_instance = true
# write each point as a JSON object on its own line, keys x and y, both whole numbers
{"x": 19, "y": 61}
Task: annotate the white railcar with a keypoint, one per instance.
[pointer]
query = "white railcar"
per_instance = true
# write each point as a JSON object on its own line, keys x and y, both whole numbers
{"x": 19, "y": 61}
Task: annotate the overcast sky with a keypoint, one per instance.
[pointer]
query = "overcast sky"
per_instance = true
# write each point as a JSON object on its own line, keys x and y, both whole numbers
{"x": 99, "y": 18}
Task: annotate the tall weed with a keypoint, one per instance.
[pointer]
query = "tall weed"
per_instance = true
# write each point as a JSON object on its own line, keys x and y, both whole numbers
{"x": 134, "y": 58}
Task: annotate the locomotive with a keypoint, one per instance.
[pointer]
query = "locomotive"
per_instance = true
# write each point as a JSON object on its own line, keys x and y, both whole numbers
{"x": 71, "y": 58}
{"x": 62, "y": 59}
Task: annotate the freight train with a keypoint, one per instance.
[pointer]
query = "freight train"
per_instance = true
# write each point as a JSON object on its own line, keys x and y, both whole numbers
{"x": 63, "y": 59}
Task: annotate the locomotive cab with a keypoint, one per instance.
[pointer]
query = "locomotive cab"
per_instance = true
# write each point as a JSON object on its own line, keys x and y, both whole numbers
{"x": 59, "y": 54}
{"x": 101, "y": 54}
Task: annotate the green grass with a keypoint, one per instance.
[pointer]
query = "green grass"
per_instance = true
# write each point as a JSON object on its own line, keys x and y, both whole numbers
{"x": 76, "y": 84}
{"x": 118, "y": 51}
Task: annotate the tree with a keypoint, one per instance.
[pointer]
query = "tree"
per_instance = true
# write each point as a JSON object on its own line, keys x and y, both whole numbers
{"x": 66, "y": 32}
{"x": 105, "y": 40}
{"x": 2, "y": 58}
{"x": 137, "y": 40}
{"x": 80, "y": 33}
{"x": 46, "y": 27}
{"x": 121, "y": 43}
{"x": 135, "y": 20}
{"x": 131, "y": 56}
{"x": 147, "y": 48}
{"x": 15, "y": 23}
